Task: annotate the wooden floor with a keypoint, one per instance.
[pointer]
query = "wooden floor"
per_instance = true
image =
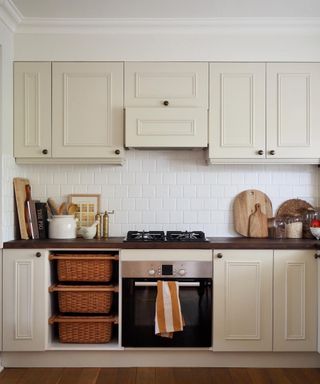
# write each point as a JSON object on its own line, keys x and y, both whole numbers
{"x": 159, "y": 376}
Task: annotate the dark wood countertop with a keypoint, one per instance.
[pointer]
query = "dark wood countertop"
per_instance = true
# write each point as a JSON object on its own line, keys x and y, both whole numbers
{"x": 213, "y": 243}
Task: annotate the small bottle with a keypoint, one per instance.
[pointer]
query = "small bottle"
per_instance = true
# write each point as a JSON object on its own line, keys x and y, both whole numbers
{"x": 98, "y": 218}
{"x": 106, "y": 223}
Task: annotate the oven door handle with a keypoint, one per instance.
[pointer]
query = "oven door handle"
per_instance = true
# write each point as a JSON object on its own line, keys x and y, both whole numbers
{"x": 154, "y": 284}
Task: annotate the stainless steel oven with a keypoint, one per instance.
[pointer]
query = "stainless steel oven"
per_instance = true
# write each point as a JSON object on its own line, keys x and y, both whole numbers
{"x": 139, "y": 290}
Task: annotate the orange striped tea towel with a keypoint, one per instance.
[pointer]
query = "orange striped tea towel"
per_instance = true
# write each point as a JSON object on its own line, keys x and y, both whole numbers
{"x": 168, "y": 311}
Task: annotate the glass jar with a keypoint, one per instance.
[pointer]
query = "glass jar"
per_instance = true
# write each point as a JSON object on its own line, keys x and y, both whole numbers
{"x": 294, "y": 227}
{"x": 309, "y": 215}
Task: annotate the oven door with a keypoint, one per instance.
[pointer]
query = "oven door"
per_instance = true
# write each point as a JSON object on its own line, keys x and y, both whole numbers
{"x": 138, "y": 314}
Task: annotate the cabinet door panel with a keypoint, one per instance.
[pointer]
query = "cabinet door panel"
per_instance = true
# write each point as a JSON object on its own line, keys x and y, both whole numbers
{"x": 32, "y": 109}
{"x": 181, "y": 84}
{"x": 174, "y": 127}
{"x": 25, "y": 292}
{"x": 295, "y": 314}
{"x": 87, "y": 109}
{"x": 243, "y": 301}
{"x": 293, "y": 113}
{"x": 237, "y": 112}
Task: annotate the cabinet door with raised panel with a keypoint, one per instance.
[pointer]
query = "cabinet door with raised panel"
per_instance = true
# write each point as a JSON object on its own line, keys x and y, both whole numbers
{"x": 32, "y": 109}
{"x": 166, "y": 84}
{"x": 24, "y": 300}
{"x": 293, "y": 113}
{"x": 242, "y": 300}
{"x": 237, "y": 111}
{"x": 87, "y": 110}
{"x": 295, "y": 300}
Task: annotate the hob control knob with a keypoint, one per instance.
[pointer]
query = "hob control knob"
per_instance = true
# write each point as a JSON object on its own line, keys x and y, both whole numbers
{"x": 152, "y": 272}
{"x": 182, "y": 272}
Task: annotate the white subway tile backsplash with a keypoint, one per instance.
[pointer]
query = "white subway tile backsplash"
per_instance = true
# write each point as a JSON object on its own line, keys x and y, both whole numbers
{"x": 167, "y": 190}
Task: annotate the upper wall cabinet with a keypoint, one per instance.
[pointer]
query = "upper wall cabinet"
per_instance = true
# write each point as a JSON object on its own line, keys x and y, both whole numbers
{"x": 86, "y": 109}
{"x": 293, "y": 112}
{"x": 166, "y": 104}
{"x": 264, "y": 113}
{"x": 237, "y": 110}
{"x": 32, "y": 109}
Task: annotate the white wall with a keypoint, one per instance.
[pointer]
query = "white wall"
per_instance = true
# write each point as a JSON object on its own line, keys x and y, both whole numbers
{"x": 166, "y": 189}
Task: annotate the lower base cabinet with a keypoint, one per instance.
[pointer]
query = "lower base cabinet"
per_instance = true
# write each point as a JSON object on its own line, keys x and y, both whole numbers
{"x": 242, "y": 300}
{"x": 24, "y": 299}
{"x": 295, "y": 301}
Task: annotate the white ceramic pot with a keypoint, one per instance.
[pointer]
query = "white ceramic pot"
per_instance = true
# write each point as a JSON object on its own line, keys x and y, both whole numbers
{"x": 62, "y": 227}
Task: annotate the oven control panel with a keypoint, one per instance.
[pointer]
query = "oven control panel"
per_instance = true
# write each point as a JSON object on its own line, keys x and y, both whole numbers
{"x": 149, "y": 269}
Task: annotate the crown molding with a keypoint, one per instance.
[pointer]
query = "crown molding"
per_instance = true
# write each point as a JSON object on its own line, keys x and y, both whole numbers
{"x": 177, "y": 25}
{"x": 10, "y": 14}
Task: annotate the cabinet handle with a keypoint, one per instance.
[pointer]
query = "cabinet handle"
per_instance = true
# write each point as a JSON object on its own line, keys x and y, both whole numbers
{"x": 272, "y": 152}
{"x": 45, "y": 152}
{"x": 219, "y": 255}
{"x": 166, "y": 103}
{"x": 117, "y": 151}
{"x": 260, "y": 152}
{"x": 317, "y": 256}
{"x": 38, "y": 254}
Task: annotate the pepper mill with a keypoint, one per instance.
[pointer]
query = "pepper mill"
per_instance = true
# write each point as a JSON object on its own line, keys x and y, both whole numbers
{"x": 98, "y": 219}
{"x": 106, "y": 223}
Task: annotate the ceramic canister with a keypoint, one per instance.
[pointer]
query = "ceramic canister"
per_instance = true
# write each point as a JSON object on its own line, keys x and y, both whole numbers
{"x": 62, "y": 227}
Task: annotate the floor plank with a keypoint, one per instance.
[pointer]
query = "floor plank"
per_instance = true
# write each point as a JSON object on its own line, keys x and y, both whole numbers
{"x": 107, "y": 376}
{"x": 146, "y": 376}
{"x": 41, "y": 375}
{"x": 164, "y": 376}
{"x": 221, "y": 376}
{"x": 240, "y": 376}
{"x": 127, "y": 375}
{"x": 278, "y": 376}
{"x": 11, "y": 375}
{"x": 259, "y": 375}
{"x": 312, "y": 375}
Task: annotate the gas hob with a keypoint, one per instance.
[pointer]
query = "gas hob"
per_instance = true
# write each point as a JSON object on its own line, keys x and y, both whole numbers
{"x": 170, "y": 236}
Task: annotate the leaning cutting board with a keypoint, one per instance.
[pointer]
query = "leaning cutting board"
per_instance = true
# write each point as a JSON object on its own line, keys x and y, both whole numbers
{"x": 20, "y": 194}
{"x": 245, "y": 205}
{"x": 258, "y": 223}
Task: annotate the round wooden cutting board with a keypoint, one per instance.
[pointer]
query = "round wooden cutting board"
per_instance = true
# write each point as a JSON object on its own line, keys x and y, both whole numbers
{"x": 245, "y": 205}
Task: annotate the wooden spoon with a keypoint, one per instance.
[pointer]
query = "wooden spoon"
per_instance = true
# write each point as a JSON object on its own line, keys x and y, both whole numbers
{"x": 72, "y": 209}
{"x": 62, "y": 209}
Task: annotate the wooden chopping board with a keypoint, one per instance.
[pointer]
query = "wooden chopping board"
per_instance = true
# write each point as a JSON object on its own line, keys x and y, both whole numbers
{"x": 20, "y": 194}
{"x": 258, "y": 223}
{"x": 245, "y": 205}
{"x": 293, "y": 207}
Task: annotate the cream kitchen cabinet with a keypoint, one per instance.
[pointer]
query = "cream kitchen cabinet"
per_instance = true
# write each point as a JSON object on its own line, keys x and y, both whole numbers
{"x": 83, "y": 123}
{"x": 242, "y": 300}
{"x": 32, "y": 110}
{"x": 264, "y": 113}
{"x": 295, "y": 300}
{"x": 24, "y": 300}
{"x": 237, "y": 111}
{"x": 166, "y": 104}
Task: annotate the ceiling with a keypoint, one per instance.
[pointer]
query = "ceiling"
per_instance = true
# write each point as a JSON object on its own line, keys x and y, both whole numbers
{"x": 116, "y": 9}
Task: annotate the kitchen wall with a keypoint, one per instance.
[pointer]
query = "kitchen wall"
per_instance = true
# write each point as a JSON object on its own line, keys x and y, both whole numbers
{"x": 166, "y": 189}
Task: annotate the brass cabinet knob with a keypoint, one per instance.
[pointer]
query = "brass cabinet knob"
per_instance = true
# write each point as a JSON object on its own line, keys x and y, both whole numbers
{"x": 317, "y": 256}
{"x": 166, "y": 103}
{"x": 44, "y": 151}
{"x": 38, "y": 254}
{"x": 260, "y": 152}
{"x": 219, "y": 255}
{"x": 117, "y": 151}
{"x": 272, "y": 152}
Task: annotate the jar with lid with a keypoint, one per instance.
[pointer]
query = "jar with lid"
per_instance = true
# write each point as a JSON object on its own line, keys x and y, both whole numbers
{"x": 294, "y": 226}
{"x": 276, "y": 228}
{"x": 309, "y": 215}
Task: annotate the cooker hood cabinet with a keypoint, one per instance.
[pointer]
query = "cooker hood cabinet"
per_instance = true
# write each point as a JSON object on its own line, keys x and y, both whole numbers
{"x": 166, "y": 105}
{"x": 68, "y": 112}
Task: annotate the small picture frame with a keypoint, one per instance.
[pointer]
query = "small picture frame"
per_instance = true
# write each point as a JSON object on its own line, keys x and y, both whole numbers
{"x": 88, "y": 207}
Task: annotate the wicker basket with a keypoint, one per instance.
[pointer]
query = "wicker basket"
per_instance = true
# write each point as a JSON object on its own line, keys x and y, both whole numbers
{"x": 84, "y": 267}
{"x": 84, "y": 330}
{"x": 84, "y": 299}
